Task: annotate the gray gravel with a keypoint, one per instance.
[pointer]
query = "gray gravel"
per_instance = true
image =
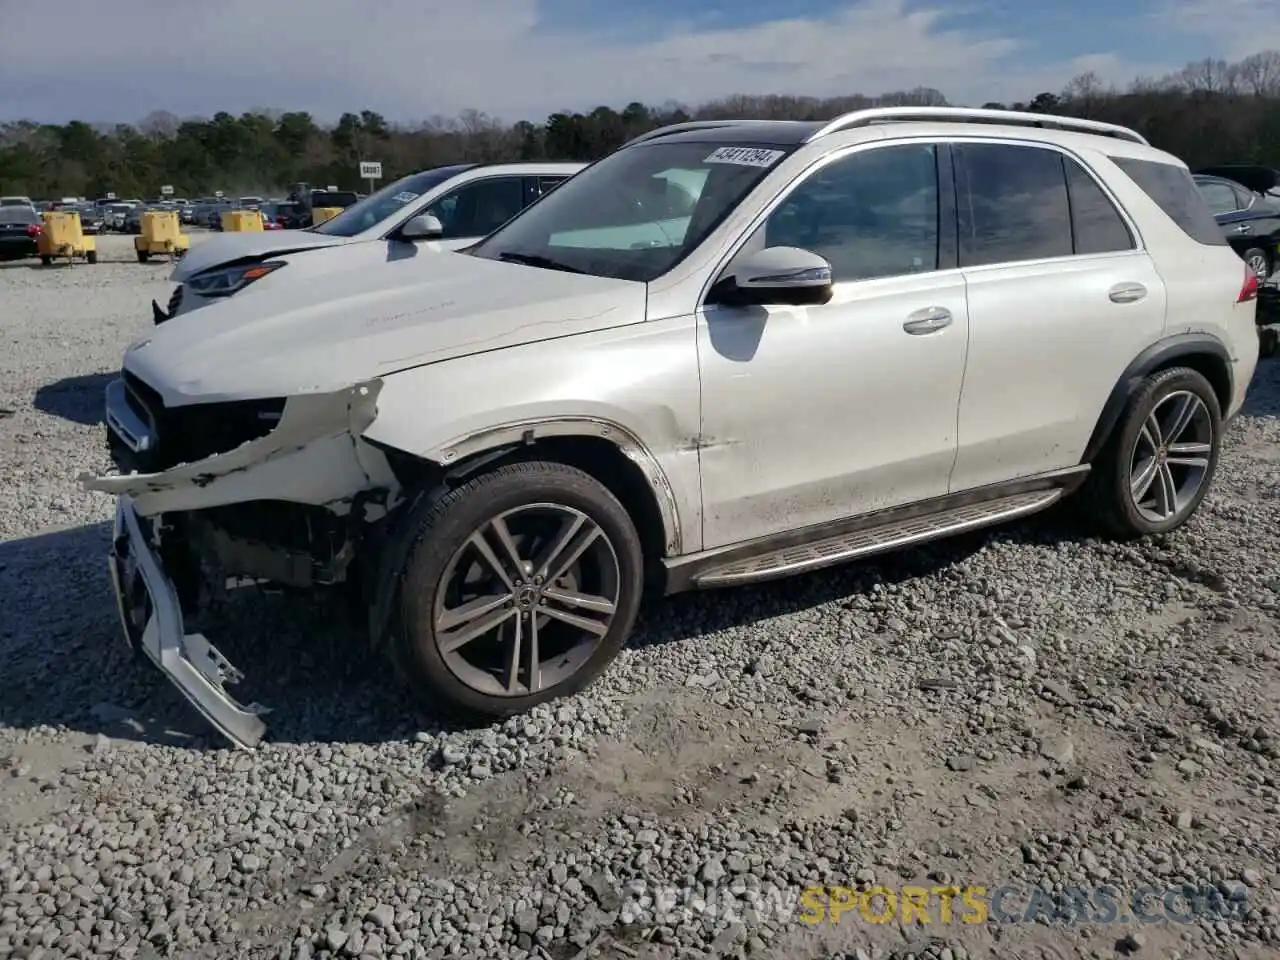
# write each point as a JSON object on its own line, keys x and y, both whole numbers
{"x": 1031, "y": 709}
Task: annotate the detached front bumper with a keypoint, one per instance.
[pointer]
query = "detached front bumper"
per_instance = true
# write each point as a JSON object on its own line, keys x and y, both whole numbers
{"x": 151, "y": 618}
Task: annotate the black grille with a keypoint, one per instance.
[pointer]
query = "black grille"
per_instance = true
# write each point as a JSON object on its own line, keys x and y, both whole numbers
{"x": 175, "y": 299}
{"x": 186, "y": 434}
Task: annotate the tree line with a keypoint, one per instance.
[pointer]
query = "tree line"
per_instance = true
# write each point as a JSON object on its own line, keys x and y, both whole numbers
{"x": 1210, "y": 111}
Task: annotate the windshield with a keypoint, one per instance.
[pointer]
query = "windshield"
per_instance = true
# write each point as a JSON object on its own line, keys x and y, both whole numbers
{"x": 636, "y": 213}
{"x": 376, "y": 207}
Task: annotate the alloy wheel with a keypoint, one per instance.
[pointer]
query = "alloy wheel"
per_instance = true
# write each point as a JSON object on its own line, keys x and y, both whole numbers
{"x": 1258, "y": 264}
{"x": 1171, "y": 456}
{"x": 524, "y": 603}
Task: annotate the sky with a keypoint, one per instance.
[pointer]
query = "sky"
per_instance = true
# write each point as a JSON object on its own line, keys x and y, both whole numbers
{"x": 119, "y": 60}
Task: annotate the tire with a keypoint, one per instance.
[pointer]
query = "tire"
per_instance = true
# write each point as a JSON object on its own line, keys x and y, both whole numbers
{"x": 537, "y": 502}
{"x": 91, "y": 256}
{"x": 1268, "y": 339}
{"x": 1259, "y": 260}
{"x": 143, "y": 256}
{"x": 46, "y": 260}
{"x": 1108, "y": 492}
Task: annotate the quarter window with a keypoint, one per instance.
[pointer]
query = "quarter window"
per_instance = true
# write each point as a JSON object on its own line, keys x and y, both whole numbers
{"x": 871, "y": 214}
{"x": 1096, "y": 224}
{"x": 479, "y": 208}
{"x": 1013, "y": 204}
{"x": 1171, "y": 188}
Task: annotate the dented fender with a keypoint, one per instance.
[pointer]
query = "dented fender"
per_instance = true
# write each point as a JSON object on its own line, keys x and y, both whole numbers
{"x": 315, "y": 455}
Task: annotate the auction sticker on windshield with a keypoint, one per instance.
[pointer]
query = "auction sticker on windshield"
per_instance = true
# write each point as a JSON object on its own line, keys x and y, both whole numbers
{"x": 404, "y": 197}
{"x": 745, "y": 156}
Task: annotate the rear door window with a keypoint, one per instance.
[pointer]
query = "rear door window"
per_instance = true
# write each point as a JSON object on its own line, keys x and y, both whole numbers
{"x": 1171, "y": 188}
{"x": 1013, "y": 204}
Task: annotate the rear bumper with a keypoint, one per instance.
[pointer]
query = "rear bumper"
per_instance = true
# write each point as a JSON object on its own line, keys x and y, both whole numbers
{"x": 151, "y": 618}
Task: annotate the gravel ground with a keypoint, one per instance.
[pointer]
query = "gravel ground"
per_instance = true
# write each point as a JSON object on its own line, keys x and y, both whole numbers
{"x": 1030, "y": 708}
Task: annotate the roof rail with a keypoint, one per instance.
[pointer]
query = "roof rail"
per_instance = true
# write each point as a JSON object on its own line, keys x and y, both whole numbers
{"x": 865, "y": 118}
{"x": 681, "y": 128}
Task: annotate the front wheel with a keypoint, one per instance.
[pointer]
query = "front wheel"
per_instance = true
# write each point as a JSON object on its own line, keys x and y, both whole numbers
{"x": 1158, "y": 465}
{"x": 91, "y": 256}
{"x": 522, "y": 587}
{"x": 143, "y": 256}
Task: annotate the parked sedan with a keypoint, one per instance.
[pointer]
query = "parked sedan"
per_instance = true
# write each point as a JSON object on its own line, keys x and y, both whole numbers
{"x": 113, "y": 216}
{"x": 1247, "y": 211}
{"x": 91, "y": 218}
{"x": 19, "y": 229}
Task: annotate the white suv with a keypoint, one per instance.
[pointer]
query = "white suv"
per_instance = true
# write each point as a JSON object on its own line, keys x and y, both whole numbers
{"x": 448, "y": 207}
{"x": 728, "y": 351}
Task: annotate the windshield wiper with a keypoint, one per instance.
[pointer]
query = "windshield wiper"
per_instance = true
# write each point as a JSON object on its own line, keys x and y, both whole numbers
{"x": 534, "y": 260}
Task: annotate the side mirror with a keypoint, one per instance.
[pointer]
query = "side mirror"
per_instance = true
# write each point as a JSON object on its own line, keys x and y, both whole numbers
{"x": 424, "y": 226}
{"x": 776, "y": 275}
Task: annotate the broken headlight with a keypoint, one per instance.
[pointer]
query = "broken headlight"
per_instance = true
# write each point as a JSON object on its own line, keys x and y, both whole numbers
{"x": 225, "y": 281}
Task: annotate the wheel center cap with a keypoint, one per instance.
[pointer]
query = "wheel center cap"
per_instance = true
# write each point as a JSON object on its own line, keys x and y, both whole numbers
{"x": 526, "y": 596}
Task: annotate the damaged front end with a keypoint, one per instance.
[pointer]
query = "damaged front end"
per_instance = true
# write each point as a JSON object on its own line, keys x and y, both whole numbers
{"x": 219, "y": 494}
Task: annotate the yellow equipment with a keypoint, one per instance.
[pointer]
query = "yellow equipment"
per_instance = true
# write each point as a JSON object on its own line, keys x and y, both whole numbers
{"x": 321, "y": 214}
{"x": 161, "y": 233}
{"x": 62, "y": 236}
{"x": 242, "y": 221}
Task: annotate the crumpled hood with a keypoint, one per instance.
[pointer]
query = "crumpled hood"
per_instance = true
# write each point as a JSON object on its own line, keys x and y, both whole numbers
{"x": 226, "y": 247}
{"x": 343, "y": 328}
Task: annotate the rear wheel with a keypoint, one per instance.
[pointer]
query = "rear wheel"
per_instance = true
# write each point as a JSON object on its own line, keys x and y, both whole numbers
{"x": 522, "y": 587}
{"x": 143, "y": 256}
{"x": 1158, "y": 465}
{"x": 1267, "y": 342}
{"x": 46, "y": 260}
{"x": 1257, "y": 260}
{"x": 91, "y": 256}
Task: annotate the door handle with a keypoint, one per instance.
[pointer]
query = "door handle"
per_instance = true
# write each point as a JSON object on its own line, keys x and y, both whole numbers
{"x": 1244, "y": 228}
{"x": 928, "y": 320}
{"x": 1127, "y": 292}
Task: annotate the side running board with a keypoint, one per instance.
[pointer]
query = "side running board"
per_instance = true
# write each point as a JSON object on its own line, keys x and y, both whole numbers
{"x": 886, "y": 537}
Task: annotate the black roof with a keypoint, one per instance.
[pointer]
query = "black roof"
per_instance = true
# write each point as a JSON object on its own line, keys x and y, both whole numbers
{"x": 781, "y": 133}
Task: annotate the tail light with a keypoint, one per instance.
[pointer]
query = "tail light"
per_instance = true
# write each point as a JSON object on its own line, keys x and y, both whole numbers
{"x": 1249, "y": 288}
{"x": 282, "y": 219}
{"x": 34, "y": 230}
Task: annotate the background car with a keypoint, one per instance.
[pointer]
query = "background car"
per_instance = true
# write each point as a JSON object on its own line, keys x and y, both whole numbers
{"x": 133, "y": 221}
{"x": 1249, "y": 217}
{"x": 113, "y": 215}
{"x": 90, "y": 218}
{"x": 268, "y": 211}
{"x": 19, "y": 229}
{"x": 291, "y": 215}
{"x": 451, "y": 206}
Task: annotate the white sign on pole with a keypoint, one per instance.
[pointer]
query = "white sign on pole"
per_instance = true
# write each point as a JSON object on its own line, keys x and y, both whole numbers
{"x": 332, "y": 188}
{"x": 371, "y": 169}
{"x": 110, "y": 195}
{"x": 166, "y": 190}
{"x": 218, "y": 193}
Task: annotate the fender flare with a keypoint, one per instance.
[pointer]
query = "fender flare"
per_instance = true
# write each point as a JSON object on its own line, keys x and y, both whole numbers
{"x": 1157, "y": 355}
{"x": 461, "y": 456}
